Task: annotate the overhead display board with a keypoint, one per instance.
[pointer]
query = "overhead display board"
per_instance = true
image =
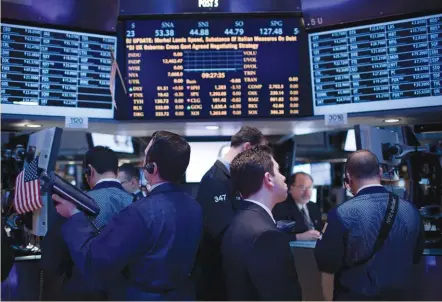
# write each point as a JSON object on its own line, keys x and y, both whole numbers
{"x": 55, "y": 72}
{"x": 327, "y": 13}
{"x": 391, "y": 65}
{"x": 216, "y": 67}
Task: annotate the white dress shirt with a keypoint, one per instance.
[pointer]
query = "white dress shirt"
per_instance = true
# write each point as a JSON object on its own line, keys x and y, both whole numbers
{"x": 108, "y": 179}
{"x": 262, "y": 206}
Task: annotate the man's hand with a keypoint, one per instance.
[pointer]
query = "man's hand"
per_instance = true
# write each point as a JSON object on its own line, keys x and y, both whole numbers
{"x": 309, "y": 235}
{"x": 64, "y": 207}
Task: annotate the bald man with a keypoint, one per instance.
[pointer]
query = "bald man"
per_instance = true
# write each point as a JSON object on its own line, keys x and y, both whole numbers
{"x": 371, "y": 241}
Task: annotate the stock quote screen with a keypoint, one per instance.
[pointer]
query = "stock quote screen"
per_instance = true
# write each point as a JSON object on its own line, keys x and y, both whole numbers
{"x": 223, "y": 68}
{"x": 55, "y": 72}
{"x": 390, "y": 65}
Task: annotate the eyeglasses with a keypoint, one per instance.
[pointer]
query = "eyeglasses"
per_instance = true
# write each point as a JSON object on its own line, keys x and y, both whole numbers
{"x": 303, "y": 188}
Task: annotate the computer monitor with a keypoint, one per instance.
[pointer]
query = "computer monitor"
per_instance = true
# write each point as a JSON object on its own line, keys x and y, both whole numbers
{"x": 350, "y": 141}
{"x": 306, "y": 168}
{"x": 321, "y": 173}
{"x": 118, "y": 143}
{"x": 373, "y": 139}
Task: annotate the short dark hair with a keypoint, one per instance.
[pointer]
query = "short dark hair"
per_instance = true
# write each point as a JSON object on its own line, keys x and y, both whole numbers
{"x": 130, "y": 170}
{"x": 171, "y": 153}
{"x": 362, "y": 164}
{"x": 102, "y": 159}
{"x": 293, "y": 177}
{"x": 247, "y": 134}
{"x": 248, "y": 168}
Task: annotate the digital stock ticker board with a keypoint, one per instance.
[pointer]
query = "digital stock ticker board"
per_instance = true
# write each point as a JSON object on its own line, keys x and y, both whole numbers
{"x": 383, "y": 66}
{"x": 55, "y": 72}
{"x": 216, "y": 68}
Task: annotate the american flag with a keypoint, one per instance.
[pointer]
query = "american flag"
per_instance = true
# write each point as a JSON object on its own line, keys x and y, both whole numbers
{"x": 27, "y": 189}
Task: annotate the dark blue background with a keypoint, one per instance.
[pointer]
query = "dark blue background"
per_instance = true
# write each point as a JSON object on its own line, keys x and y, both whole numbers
{"x": 90, "y": 15}
{"x": 335, "y": 12}
{"x": 151, "y": 7}
{"x": 276, "y": 63}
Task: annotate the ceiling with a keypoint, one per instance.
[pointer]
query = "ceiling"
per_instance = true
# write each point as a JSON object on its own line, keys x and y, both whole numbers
{"x": 286, "y": 127}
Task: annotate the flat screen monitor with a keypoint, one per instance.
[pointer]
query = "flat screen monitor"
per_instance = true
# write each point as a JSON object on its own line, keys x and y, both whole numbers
{"x": 118, "y": 143}
{"x": 391, "y": 65}
{"x": 202, "y": 157}
{"x": 216, "y": 67}
{"x": 314, "y": 197}
{"x": 306, "y": 168}
{"x": 55, "y": 72}
{"x": 373, "y": 139}
{"x": 321, "y": 173}
{"x": 91, "y": 15}
{"x": 350, "y": 141}
{"x": 326, "y": 13}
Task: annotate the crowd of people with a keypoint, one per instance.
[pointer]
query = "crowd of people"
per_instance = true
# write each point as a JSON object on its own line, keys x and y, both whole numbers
{"x": 225, "y": 243}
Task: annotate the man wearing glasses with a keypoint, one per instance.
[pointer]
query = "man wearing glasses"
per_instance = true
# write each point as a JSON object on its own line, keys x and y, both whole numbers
{"x": 129, "y": 176}
{"x": 299, "y": 208}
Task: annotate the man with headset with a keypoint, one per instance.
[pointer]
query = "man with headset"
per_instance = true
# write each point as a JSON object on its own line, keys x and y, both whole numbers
{"x": 152, "y": 243}
{"x": 370, "y": 242}
{"x": 100, "y": 167}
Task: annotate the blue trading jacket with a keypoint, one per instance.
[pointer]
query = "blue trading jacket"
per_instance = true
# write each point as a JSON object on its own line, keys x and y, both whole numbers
{"x": 111, "y": 199}
{"x": 152, "y": 244}
{"x": 352, "y": 230}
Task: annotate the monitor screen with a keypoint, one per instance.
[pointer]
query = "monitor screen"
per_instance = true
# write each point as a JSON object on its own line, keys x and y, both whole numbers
{"x": 216, "y": 67}
{"x": 306, "y": 168}
{"x": 202, "y": 157}
{"x": 55, "y": 73}
{"x": 350, "y": 141}
{"x": 118, "y": 143}
{"x": 65, "y": 13}
{"x": 321, "y": 173}
{"x": 314, "y": 197}
{"x": 392, "y": 65}
{"x": 323, "y": 13}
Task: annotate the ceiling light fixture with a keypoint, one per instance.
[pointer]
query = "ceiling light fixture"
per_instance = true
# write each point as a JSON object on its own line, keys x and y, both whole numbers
{"x": 33, "y": 125}
{"x": 392, "y": 120}
{"x": 212, "y": 127}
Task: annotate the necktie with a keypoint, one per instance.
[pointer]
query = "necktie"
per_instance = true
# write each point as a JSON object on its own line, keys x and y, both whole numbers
{"x": 307, "y": 220}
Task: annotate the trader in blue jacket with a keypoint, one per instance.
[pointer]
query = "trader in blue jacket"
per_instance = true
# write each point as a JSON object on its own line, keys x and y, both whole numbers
{"x": 153, "y": 242}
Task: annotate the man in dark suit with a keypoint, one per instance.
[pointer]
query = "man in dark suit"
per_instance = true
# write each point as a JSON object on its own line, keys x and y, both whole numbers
{"x": 299, "y": 208}
{"x": 100, "y": 166}
{"x": 257, "y": 261}
{"x": 153, "y": 242}
{"x": 371, "y": 241}
{"x": 218, "y": 201}
{"x": 129, "y": 176}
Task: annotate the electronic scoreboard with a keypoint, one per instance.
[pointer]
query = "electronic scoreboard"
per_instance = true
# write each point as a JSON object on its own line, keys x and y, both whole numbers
{"x": 55, "y": 72}
{"x": 391, "y": 65}
{"x": 212, "y": 67}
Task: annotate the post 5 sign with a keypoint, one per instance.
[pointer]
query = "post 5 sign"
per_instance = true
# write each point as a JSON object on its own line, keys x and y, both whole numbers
{"x": 73, "y": 122}
{"x": 335, "y": 119}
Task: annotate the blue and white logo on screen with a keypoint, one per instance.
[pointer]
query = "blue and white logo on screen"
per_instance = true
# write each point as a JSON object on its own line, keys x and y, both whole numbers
{"x": 208, "y": 3}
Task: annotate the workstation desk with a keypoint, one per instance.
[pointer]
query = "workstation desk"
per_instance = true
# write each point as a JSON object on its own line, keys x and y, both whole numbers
{"x": 425, "y": 283}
